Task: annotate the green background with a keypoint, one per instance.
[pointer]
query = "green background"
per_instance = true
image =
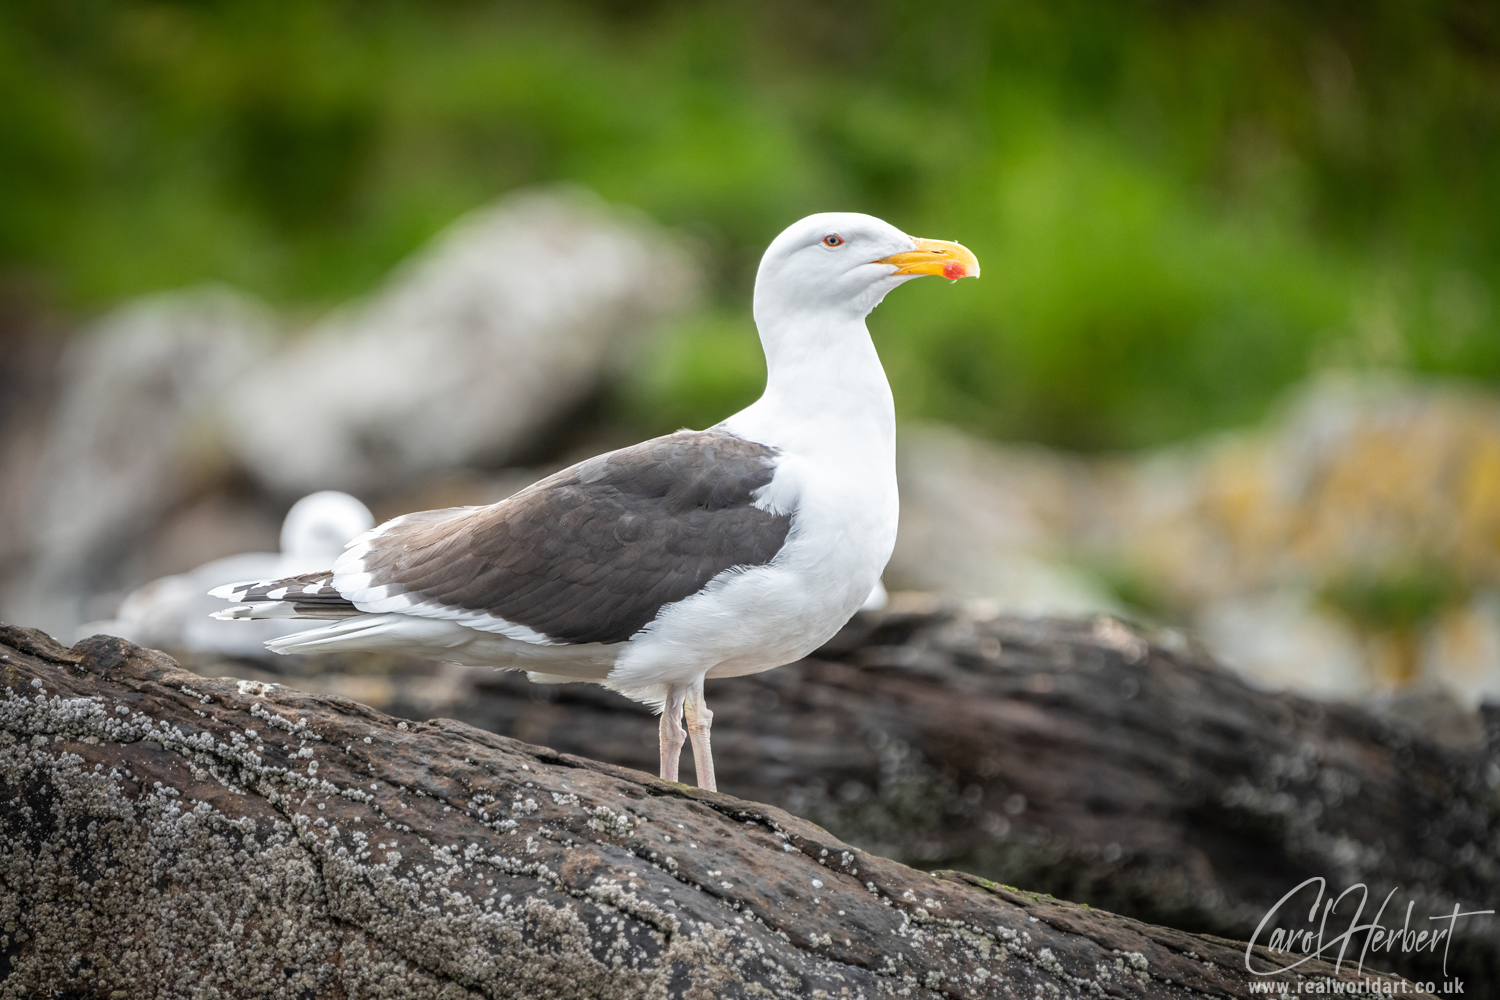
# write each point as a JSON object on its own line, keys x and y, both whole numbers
{"x": 1181, "y": 208}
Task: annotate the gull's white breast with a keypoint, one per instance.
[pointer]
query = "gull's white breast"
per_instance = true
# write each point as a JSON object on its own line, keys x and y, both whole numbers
{"x": 842, "y": 498}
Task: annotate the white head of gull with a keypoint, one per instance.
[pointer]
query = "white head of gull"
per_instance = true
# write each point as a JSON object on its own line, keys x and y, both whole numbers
{"x": 318, "y": 528}
{"x": 699, "y": 554}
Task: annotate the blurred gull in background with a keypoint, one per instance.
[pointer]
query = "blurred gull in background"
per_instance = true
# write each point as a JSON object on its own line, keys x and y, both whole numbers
{"x": 173, "y": 612}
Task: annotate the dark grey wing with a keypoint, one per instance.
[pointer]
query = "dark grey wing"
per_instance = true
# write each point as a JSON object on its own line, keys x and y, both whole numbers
{"x": 591, "y": 554}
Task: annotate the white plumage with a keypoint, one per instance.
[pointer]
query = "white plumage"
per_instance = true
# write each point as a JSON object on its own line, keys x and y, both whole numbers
{"x": 701, "y": 554}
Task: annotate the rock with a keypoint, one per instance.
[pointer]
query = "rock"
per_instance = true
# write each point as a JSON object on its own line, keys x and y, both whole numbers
{"x": 986, "y": 520}
{"x": 1076, "y": 758}
{"x": 1350, "y": 546}
{"x": 506, "y": 323}
{"x": 131, "y": 436}
{"x": 1282, "y": 639}
{"x": 1367, "y": 518}
{"x": 176, "y": 836}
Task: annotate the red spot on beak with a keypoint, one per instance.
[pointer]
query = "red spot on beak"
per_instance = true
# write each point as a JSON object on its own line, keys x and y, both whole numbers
{"x": 953, "y": 270}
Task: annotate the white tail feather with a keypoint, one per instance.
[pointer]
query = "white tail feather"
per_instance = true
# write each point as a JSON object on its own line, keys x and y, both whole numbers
{"x": 375, "y": 632}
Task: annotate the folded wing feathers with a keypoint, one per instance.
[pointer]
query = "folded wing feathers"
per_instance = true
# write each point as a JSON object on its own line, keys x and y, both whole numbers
{"x": 588, "y": 555}
{"x": 310, "y": 595}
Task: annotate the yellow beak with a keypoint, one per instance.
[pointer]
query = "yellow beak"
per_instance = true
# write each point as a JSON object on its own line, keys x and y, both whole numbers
{"x": 951, "y": 260}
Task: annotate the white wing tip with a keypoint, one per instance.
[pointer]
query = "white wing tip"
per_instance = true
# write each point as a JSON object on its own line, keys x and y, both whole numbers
{"x": 234, "y": 591}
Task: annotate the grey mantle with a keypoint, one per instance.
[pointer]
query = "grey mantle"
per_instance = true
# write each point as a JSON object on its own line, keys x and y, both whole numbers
{"x": 166, "y": 835}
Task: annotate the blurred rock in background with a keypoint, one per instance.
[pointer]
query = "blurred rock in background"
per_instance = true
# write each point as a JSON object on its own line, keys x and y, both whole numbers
{"x": 182, "y": 430}
{"x": 1361, "y": 531}
{"x": 473, "y": 350}
{"x": 992, "y": 521}
{"x": 1350, "y": 547}
{"x": 129, "y": 449}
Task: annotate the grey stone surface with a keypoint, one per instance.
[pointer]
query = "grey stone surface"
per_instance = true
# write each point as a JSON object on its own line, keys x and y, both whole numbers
{"x": 168, "y": 835}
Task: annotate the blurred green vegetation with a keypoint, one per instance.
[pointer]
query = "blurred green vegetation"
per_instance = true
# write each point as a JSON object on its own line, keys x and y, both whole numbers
{"x": 1180, "y": 208}
{"x": 1401, "y": 597}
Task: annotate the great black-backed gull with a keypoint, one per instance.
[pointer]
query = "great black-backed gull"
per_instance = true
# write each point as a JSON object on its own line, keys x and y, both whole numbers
{"x": 710, "y": 553}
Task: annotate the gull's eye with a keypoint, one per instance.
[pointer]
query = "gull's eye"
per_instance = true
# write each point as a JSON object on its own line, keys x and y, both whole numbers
{"x": 833, "y": 240}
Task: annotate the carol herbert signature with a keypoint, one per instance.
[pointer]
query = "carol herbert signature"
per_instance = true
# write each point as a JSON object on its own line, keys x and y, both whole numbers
{"x": 1320, "y": 940}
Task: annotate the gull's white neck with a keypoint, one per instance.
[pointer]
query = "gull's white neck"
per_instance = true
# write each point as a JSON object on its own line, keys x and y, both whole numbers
{"x": 825, "y": 387}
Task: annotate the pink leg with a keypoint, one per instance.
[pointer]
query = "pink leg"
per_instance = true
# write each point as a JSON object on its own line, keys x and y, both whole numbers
{"x": 699, "y": 719}
{"x": 672, "y": 733}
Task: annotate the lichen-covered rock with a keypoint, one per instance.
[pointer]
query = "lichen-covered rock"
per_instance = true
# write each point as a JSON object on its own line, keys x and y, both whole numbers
{"x": 1075, "y": 758}
{"x": 1350, "y": 545}
{"x": 167, "y": 835}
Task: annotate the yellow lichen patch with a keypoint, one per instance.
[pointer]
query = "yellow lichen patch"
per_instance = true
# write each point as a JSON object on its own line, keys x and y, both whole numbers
{"x": 1479, "y": 503}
